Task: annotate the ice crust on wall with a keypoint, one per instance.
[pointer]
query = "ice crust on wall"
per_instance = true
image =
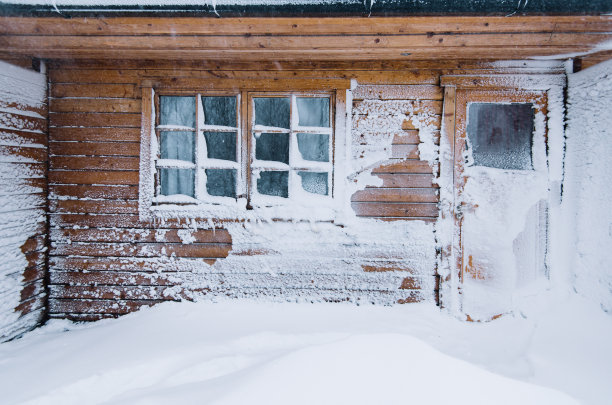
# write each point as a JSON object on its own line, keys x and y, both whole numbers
{"x": 305, "y": 255}
{"x": 587, "y": 191}
{"x": 20, "y": 92}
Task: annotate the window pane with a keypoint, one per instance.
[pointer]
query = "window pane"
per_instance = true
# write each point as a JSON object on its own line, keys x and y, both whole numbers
{"x": 273, "y": 147}
{"x": 314, "y": 182}
{"x": 177, "y": 111}
{"x": 177, "y": 145}
{"x": 272, "y": 111}
{"x": 221, "y": 182}
{"x": 221, "y": 145}
{"x": 501, "y": 135}
{"x": 176, "y": 181}
{"x": 314, "y": 147}
{"x": 273, "y": 183}
{"x": 313, "y": 111}
{"x": 219, "y": 111}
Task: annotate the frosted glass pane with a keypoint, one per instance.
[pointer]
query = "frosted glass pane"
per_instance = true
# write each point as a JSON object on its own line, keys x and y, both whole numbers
{"x": 501, "y": 135}
{"x": 177, "y": 111}
{"x": 314, "y": 182}
{"x": 219, "y": 111}
{"x": 177, "y": 145}
{"x": 313, "y": 111}
{"x": 273, "y": 147}
{"x": 272, "y": 111}
{"x": 273, "y": 183}
{"x": 221, "y": 145}
{"x": 314, "y": 147}
{"x": 221, "y": 182}
{"x": 177, "y": 181}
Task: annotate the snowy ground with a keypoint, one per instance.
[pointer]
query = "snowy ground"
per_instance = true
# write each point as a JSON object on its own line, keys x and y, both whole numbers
{"x": 246, "y": 352}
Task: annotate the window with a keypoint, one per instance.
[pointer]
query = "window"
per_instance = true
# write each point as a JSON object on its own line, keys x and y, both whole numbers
{"x": 201, "y": 137}
{"x": 501, "y": 135}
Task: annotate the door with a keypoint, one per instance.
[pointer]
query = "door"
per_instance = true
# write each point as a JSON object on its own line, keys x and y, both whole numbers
{"x": 500, "y": 196}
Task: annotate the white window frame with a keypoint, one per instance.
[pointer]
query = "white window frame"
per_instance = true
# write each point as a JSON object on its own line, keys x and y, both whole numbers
{"x": 227, "y": 208}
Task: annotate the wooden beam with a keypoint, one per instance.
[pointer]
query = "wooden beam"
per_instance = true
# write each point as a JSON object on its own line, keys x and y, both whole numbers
{"x": 300, "y": 26}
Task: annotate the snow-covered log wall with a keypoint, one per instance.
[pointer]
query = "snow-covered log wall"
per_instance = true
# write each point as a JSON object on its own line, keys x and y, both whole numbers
{"x": 106, "y": 259}
{"x": 587, "y": 190}
{"x": 23, "y": 157}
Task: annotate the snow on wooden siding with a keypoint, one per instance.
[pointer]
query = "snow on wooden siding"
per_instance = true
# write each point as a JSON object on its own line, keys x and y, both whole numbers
{"x": 23, "y": 233}
{"x": 106, "y": 261}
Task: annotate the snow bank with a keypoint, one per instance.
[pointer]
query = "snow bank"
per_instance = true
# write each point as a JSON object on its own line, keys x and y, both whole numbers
{"x": 261, "y": 353}
{"x": 587, "y": 191}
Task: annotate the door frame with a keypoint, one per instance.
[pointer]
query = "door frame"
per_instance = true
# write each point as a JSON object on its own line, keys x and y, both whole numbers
{"x": 543, "y": 90}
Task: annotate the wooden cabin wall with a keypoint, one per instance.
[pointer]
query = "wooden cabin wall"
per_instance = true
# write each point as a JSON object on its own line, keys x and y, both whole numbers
{"x": 105, "y": 262}
{"x": 23, "y": 197}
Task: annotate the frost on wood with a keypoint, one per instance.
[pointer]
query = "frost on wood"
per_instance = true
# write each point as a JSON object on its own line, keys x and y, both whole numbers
{"x": 22, "y": 215}
{"x": 587, "y": 192}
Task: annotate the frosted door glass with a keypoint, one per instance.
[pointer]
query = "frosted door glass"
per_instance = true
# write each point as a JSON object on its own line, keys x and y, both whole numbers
{"x": 177, "y": 145}
{"x": 272, "y": 111}
{"x": 221, "y": 145}
{"x": 274, "y": 147}
{"x": 314, "y": 182}
{"x": 273, "y": 183}
{"x": 314, "y": 147}
{"x": 313, "y": 111}
{"x": 177, "y": 111}
{"x": 221, "y": 182}
{"x": 219, "y": 111}
{"x": 501, "y": 135}
{"x": 176, "y": 181}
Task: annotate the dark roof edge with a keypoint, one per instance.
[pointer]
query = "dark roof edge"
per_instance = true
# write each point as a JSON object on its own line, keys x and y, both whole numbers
{"x": 340, "y": 8}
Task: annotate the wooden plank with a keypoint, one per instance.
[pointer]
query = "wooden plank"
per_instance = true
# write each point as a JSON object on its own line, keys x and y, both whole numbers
{"x": 12, "y": 136}
{"x": 58, "y": 306}
{"x": 16, "y": 154}
{"x": 101, "y": 178}
{"x": 255, "y": 55}
{"x": 396, "y": 180}
{"x": 396, "y": 195}
{"x": 297, "y": 42}
{"x": 247, "y": 84}
{"x": 93, "y": 90}
{"x": 434, "y": 121}
{"x": 121, "y": 278}
{"x": 94, "y": 120}
{"x": 412, "y": 106}
{"x": 141, "y": 235}
{"x": 95, "y": 148}
{"x": 32, "y": 305}
{"x": 68, "y": 105}
{"x": 114, "y": 292}
{"x": 123, "y": 264}
{"x": 94, "y": 163}
{"x": 93, "y": 191}
{"x": 405, "y": 151}
{"x": 22, "y": 122}
{"x": 29, "y": 175}
{"x": 405, "y": 76}
{"x": 34, "y": 273}
{"x": 94, "y": 206}
{"x": 368, "y": 209}
{"x": 34, "y": 243}
{"x": 404, "y": 166}
{"x": 301, "y": 26}
{"x": 95, "y": 134}
{"x": 200, "y": 250}
{"x": 387, "y": 92}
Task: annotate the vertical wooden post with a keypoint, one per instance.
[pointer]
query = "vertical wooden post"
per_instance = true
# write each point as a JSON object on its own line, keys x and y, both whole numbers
{"x": 447, "y": 227}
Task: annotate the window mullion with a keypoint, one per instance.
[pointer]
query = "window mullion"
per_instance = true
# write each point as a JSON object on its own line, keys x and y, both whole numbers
{"x": 198, "y": 145}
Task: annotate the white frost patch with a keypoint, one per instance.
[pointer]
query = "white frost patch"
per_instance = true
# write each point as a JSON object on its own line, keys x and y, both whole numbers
{"x": 186, "y": 236}
{"x": 587, "y": 191}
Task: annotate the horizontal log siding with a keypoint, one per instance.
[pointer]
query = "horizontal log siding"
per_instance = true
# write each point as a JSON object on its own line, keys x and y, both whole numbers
{"x": 23, "y": 199}
{"x": 408, "y": 190}
{"x": 105, "y": 262}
